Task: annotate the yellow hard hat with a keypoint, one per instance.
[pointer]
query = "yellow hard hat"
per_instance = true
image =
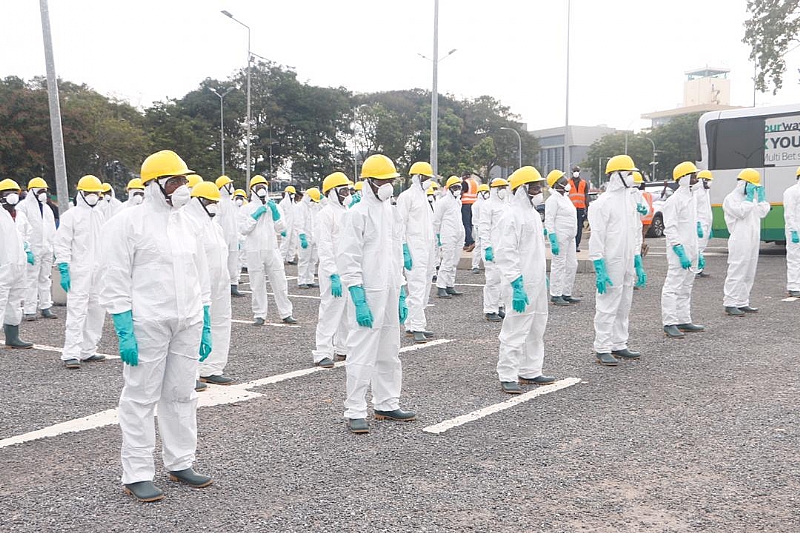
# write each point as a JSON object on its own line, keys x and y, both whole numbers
{"x": 163, "y": 163}
{"x": 797, "y": 173}
{"x": 258, "y": 178}
{"x": 524, "y": 175}
{"x": 637, "y": 177}
{"x": 431, "y": 191}
{"x": 37, "y": 183}
{"x": 207, "y": 190}
{"x": 222, "y": 181}
{"x": 380, "y": 167}
{"x": 314, "y": 194}
{"x": 359, "y": 185}
{"x": 239, "y": 192}
{"x": 705, "y": 175}
{"x": 499, "y": 182}
{"x": 290, "y": 189}
{"x": 422, "y": 168}
{"x": 553, "y": 177}
{"x": 620, "y": 162}
{"x": 750, "y": 175}
{"x": 683, "y": 169}
{"x": 135, "y": 183}
{"x": 483, "y": 188}
{"x": 90, "y": 183}
{"x": 9, "y": 185}
{"x": 106, "y": 187}
{"x": 337, "y": 179}
{"x": 193, "y": 179}
{"x": 434, "y": 185}
{"x": 452, "y": 180}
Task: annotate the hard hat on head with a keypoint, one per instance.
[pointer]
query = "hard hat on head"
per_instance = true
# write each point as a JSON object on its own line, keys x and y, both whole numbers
{"x": 106, "y": 187}
{"x": 553, "y": 176}
{"x": 207, "y": 190}
{"x": 620, "y": 163}
{"x": 434, "y": 185}
{"x": 9, "y": 185}
{"x": 483, "y": 188}
{"x": 359, "y": 185}
{"x": 222, "y": 181}
{"x": 452, "y": 180}
{"x": 290, "y": 189}
{"x": 258, "y": 178}
{"x": 314, "y": 194}
{"x": 431, "y": 191}
{"x": 523, "y": 175}
{"x": 380, "y": 167}
{"x": 422, "y": 168}
{"x": 90, "y": 183}
{"x": 750, "y": 175}
{"x": 683, "y": 169}
{"x": 37, "y": 183}
{"x": 135, "y": 183}
{"x": 192, "y": 180}
{"x": 705, "y": 175}
{"x": 337, "y": 179}
{"x": 162, "y": 164}
{"x": 637, "y": 177}
{"x": 239, "y": 192}
{"x": 499, "y": 182}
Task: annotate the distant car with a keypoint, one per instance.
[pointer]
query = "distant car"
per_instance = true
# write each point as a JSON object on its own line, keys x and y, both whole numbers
{"x": 661, "y": 190}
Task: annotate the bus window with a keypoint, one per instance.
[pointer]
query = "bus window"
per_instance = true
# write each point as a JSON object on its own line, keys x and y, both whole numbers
{"x": 737, "y": 143}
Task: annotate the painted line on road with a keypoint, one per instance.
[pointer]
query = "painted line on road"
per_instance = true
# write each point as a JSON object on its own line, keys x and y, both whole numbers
{"x": 46, "y": 348}
{"x": 470, "y": 284}
{"x": 273, "y": 324}
{"x": 299, "y": 296}
{"x": 441, "y": 427}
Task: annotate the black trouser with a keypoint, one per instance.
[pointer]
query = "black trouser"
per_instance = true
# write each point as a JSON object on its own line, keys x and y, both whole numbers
{"x": 581, "y": 218}
{"x": 466, "y": 219}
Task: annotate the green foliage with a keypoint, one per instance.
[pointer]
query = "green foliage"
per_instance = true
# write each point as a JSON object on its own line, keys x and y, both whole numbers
{"x": 773, "y": 26}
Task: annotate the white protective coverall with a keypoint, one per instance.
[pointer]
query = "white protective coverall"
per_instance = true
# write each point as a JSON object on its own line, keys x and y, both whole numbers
{"x": 613, "y": 219}
{"x": 78, "y": 243}
{"x": 448, "y": 225}
{"x": 561, "y": 218}
{"x": 332, "y": 326}
{"x": 12, "y": 268}
{"x": 42, "y": 232}
{"x": 110, "y": 205}
{"x": 216, "y": 250}
{"x": 521, "y": 252}
{"x": 416, "y": 219}
{"x": 791, "y": 215}
{"x": 743, "y": 219}
{"x": 489, "y": 233}
{"x": 371, "y": 254}
{"x": 307, "y": 257}
{"x": 291, "y": 211}
{"x": 704, "y": 215}
{"x": 264, "y": 258}
{"x": 156, "y": 267}
{"x": 127, "y": 204}
{"x": 680, "y": 227}
{"x": 477, "y": 208}
{"x": 227, "y": 220}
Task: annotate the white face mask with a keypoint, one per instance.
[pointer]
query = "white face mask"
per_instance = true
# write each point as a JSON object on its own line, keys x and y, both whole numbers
{"x": 211, "y": 209}
{"x": 229, "y": 188}
{"x": 107, "y": 197}
{"x": 91, "y": 199}
{"x": 576, "y": 174}
{"x": 181, "y": 196}
{"x": 502, "y": 194}
{"x": 385, "y": 192}
{"x": 456, "y": 195}
{"x": 136, "y": 199}
{"x": 42, "y": 197}
{"x": 261, "y": 193}
{"x": 426, "y": 184}
{"x": 238, "y": 202}
{"x": 568, "y": 187}
{"x": 538, "y": 199}
{"x": 12, "y": 199}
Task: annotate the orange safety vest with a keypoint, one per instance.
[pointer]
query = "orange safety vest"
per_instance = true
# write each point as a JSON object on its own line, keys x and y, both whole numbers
{"x": 469, "y": 191}
{"x": 578, "y": 194}
{"x": 648, "y": 218}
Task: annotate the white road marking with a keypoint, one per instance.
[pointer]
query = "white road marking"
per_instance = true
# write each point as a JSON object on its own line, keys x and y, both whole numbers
{"x": 470, "y": 285}
{"x": 46, "y": 348}
{"x": 273, "y": 324}
{"x": 441, "y": 427}
{"x": 299, "y": 296}
{"x": 790, "y": 299}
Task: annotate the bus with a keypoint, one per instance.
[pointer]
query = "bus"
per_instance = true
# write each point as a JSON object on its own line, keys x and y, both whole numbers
{"x": 764, "y": 138}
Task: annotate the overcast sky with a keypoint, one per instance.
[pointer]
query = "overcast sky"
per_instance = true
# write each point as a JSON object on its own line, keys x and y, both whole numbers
{"x": 627, "y": 57}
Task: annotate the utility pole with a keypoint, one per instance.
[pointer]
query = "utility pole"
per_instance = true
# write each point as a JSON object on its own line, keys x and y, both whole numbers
{"x": 435, "y": 93}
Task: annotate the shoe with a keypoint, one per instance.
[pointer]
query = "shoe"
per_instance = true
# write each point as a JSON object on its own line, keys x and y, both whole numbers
{"x": 577, "y": 249}
{"x": 258, "y": 321}
{"x": 304, "y": 286}
{"x": 95, "y": 359}
{"x": 794, "y": 294}
{"x": 72, "y": 363}
{"x": 476, "y": 270}
{"x": 571, "y": 300}
{"x": 501, "y": 312}
{"x": 244, "y": 270}
{"x": 433, "y": 279}
{"x": 326, "y": 362}
{"x": 397, "y": 414}
{"x": 673, "y": 332}
{"x": 48, "y": 313}
{"x": 539, "y": 380}
{"x": 691, "y": 328}
{"x": 420, "y": 338}
{"x": 199, "y": 386}
{"x": 492, "y": 317}
{"x": 144, "y": 491}
{"x": 626, "y": 354}
{"x": 189, "y": 477}
{"x": 510, "y": 387}
{"x": 702, "y": 274}
{"x": 748, "y": 309}
{"x": 452, "y": 292}
{"x": 558, "y": 300}
{"x": 235, "y": 291}
{"x": 30, "y": 317}
{"x": 13, "y": 340}
{"x": 289, "y": 320}
{"x": 291, "y": 262}
{"x": 428, "y": 334}
{"x": 442, "y": 293}
{"x": 340, "y": 357}
{"x": 217, "y": 380}
{"x": 313, "y": 285}
{"x": 357, "y": 425}
{"x": 606, "y": 359}
{"x": 734, "y": 311}
{"x": 469, "y": 247}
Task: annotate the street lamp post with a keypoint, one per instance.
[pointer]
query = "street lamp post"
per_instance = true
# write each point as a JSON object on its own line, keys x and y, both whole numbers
{"x": 519, "y": 144}
{"x": 565, "y": 154}
{"x": 653, "y": 162}
{"x": 221, "y": 131}
{"x": 249, "y": 57}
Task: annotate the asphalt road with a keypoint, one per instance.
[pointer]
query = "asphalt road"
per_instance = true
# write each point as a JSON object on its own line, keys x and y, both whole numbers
{"x": 700, "y": 435}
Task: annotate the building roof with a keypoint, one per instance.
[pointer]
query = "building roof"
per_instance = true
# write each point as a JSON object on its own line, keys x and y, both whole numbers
{"x": 578, "y": 135}
{"x": 678, "y": 111}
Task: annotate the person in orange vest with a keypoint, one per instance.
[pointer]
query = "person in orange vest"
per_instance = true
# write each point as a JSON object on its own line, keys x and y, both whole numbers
{"x": 579, "y": 194}
{"x": 469, "y": 194}
{"x": 647, "y": 219}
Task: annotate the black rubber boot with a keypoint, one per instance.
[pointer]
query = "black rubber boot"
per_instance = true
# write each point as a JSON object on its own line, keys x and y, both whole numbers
{"x": 606, "y": 359}
{"x": 502, "y": 312}
{"x": 510, "y": 387}
{"x": 558, "y": 300}
{"x": 571, "y": 300}
{"x": 539, "y": 380}
{"x": 492, "y": 317}
{"x": 48, "y": 313}
{"x": 734, "y": 311}
{"x": 326, "y": 362}
{"x": 12, "y": 338}
{"x": 397, "y": 414}
{"x": 626, "y": 354}
{"x": 442, "y": 293}
{"x": 217, "y": 380}
{"x": 235, "y": 291}
{"x": 691, "y": 328}
{"x": 453, "y": 292}
{"x": 144, "y": 491}
{"x": 191, "y": 478}
{"x": 748, "y": 309}
{"x": 673, "y": 332}
{"x": 357, "y": 425}
{"x": 420, "y": 338}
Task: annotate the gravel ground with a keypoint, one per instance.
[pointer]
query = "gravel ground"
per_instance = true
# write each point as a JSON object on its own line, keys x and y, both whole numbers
{"x": 700, "y": 435}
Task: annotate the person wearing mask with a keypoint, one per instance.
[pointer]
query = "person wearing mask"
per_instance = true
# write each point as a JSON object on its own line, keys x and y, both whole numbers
{"x": 260, "y": 222}
{"x": 135, "y": 191}
{"x": 612, "y": 250}
{"x": 239, "y": 200}
{"x": 370, "y": 263}
{"x": 469, "y": 195}
{"x": 791, "y": 217}
{"x": 643, "y": 212}
{"x": 432, "y": 196}
{"x": 77, "y": 251}
{"x": 477, "y": 253}
{"x": 290, "y": 211}
{"x": 579, "y": 195}
{"x": 42, "y": 232}
{"x": 521, "y": 260}
{"x": 560, "y": 223}
{"x": 332, "y": 326}
{"x": 418, "y": 247}
{"x": 307, "y": 236}
{"x": 14, "y": 254}
{"x": 356, "y": 196}
{"x": 154, "y": 283}
{"x": 449, "y": 230}
{"x": 226, "y": 218}
{"x": 489, "y": 233}
{"x": 744, "y": 207}
{"x": 684, "y": 259}
{"x": 647, "y": 202}
{"x": 705, "y": 217}
{"x": 110, "y": 206}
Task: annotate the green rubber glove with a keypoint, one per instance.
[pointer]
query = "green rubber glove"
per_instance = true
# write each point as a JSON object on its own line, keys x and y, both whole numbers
{"x": 354, "y": 199}
{"x": 363, "y": 314}
{"x": 283, "y": 233}
{"x": 750, "y": 192}
{"x": 762, "y": 194}
{"x": 488, "y": 255}
{"x": 29, "y": 255}
{"x": 276, "y": 214}
{"x": 205, "y": 340}
{"x": 438, "y": 240}
{"x": 402, "y": 308}
{"x": 519, "y": 298}
{"x": 407, "y": 262}
{"x": 602, "y": 280}
{"x": 641, "y": 275}
{"x": 701, "y": 262}
{"x": 641, "y": 208}
{"x": 336, "y": 286}
{"x": 699, "y": 230}
{"x": 681, "y": 253}
{"x": 795, "y": 237}
{"x": 303, "y": 241}
{"x": 66, "y": 282}
{"x": 128, "y": 348}
{"x": 553, "y": 243}
{"x": 259, "y": 212}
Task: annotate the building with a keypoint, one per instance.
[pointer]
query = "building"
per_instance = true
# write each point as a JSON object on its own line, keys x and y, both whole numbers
{"x": 551, "y": 147}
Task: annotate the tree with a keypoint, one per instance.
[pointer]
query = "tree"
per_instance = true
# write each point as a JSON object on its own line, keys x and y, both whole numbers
{"x": 773, "y": 26}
